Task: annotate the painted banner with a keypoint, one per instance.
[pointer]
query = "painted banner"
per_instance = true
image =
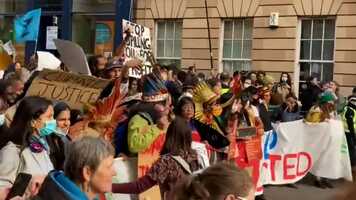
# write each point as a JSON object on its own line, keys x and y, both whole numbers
{"x": 297, "y": 148}
{"x": 137, "y": 46}
{"x": 74, "y": 89}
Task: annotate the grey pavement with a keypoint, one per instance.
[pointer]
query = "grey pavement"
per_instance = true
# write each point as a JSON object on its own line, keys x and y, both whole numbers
{"x": 305, "y": 191}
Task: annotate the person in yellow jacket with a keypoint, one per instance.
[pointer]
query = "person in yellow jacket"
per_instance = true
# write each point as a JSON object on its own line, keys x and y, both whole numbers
{"x": 349, "y": 120}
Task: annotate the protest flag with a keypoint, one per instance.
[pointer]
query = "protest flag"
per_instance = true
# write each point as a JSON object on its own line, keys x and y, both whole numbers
{"x": 27, "y": 26}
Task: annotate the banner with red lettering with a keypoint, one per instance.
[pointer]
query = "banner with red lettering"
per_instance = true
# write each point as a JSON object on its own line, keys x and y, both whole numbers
{"x": 295, "y": 148}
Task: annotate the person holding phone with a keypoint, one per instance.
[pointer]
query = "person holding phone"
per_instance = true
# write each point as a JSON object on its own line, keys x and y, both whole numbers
{"x": 23, "y": 147}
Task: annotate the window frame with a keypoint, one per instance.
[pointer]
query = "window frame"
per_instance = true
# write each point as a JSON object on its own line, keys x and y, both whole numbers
{"x": 222, "y": 36}
{"x": 179, "y": 59}
{"x": 310, "y": 60}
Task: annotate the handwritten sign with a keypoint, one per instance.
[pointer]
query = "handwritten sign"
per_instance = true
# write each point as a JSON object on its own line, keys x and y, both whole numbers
{"x": 73, "y": 89}
{"x": 137, "y": 46}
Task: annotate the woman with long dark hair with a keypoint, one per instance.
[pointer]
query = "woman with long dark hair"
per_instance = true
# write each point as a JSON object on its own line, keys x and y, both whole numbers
{"x": 166, "y": 171}
{"x": 23, "y": 147}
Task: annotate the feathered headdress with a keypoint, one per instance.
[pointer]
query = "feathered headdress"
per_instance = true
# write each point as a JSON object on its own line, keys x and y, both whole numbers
{"x": 154, "y": 89}
{"x": 102, "y": 117}
{"x": 204, "y": 94}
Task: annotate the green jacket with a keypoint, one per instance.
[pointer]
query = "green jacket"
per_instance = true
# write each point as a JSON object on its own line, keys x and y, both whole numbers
{"x": 142, "y": 132}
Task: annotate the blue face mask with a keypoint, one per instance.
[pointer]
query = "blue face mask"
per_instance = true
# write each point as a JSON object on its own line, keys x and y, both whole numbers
{"x": 49, "y": 127}
{"x": 2, "y": 119}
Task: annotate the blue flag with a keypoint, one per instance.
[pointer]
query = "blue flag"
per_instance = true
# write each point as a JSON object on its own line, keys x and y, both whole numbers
{"x": 27, "y": 26}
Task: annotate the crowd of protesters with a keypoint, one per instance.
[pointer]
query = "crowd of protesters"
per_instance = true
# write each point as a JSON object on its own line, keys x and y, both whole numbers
{"x": 171, "y": 108}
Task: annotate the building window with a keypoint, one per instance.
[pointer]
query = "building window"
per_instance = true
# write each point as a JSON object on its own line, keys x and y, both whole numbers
{"x": 317, "y": 49}
{"x": 237, "y": 45}
{"x": 169, "y": 42}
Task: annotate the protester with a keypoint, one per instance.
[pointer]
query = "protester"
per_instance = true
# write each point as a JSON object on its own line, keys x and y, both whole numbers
{"x": 88, "y": 172}
{"x": 97, "y": 65}
{"x": 207, "y": 118}
{"x": 281, "y": 89}
{"x": 323, "y": 111}
{"x": 253, "y": 77}
{"x": 340, "y": 101}
{"x": 215, "y": 85}
{"x": 201, "y": 77}
{"x": 247, "y": 82}
{"x": 10, "y": 90}
{"x": 134, "y": 86}
{"x": 309, "y": 96}
{"x": 349, "y": 121}
{"x": 222, "y": 181}
{"x": 62, "y": 116}
{"x": 225, "y": 83}
{"x": 177, "y": 159}
{"x": 113, "y": 69}
{"x": 260, "y": 79}
{"x": 289, "y": 110}
{"x": 263, "y": 108}
{"x": 149, "y": 119}
{"x": 23, "y": 146}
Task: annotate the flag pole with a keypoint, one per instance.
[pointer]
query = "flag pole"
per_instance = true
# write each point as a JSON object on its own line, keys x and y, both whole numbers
{"x": 209, "y": 37}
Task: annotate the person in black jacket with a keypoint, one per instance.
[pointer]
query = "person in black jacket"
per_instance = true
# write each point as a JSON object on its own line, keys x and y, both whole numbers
{"x": 309, "y": 95}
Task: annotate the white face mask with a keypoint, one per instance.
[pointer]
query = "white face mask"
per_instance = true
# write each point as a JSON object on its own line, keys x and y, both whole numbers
{"x": 246, "y": 85}
{"x": 2, "y": 119}
{"x": 284, "y": 79}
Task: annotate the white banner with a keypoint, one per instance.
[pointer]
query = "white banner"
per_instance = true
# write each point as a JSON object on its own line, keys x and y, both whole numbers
{"x": 296, "y": 148}
{"x": 138, "y": 46}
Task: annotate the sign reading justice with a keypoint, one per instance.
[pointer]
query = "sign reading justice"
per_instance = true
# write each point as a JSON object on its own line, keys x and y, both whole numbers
{"x": 71, "y": 88}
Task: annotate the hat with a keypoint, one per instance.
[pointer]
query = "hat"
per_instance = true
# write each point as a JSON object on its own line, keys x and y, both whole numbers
{"x": 204, "y": 94}
{"x": 351, "y": 98}
{"x": 326, "y": 97}
{"x": 114, "y": 64}
{"x": 154, "y": 89}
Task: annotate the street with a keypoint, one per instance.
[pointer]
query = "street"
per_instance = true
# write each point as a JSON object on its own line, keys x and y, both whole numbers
{"x": 305, "y": 191}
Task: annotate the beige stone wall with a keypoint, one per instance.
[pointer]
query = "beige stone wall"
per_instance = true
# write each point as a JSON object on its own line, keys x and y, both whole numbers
{"x": 273, "y": 50}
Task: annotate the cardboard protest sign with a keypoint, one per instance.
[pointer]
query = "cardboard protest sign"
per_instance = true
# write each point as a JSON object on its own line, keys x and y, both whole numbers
{"x": 74, "y": 89}
{"x": 46, "y": 60}
{"x": 73, "y": 56}
{"x": 125, "y": 172}
{"x": 137, "y": 46}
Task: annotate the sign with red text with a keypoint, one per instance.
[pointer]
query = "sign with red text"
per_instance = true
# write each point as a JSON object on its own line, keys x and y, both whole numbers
{"x": 296, "y": 148}
{"x": 74, "y": 89}
{"x": 137, "y": 46}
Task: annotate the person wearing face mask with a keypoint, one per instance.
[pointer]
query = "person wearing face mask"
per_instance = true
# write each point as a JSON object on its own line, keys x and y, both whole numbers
{"x": 58, "y": 140}
{"x": 247, "y": 82}
{"x": 208, "y": 119}
{"x": 23, "y": 147}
